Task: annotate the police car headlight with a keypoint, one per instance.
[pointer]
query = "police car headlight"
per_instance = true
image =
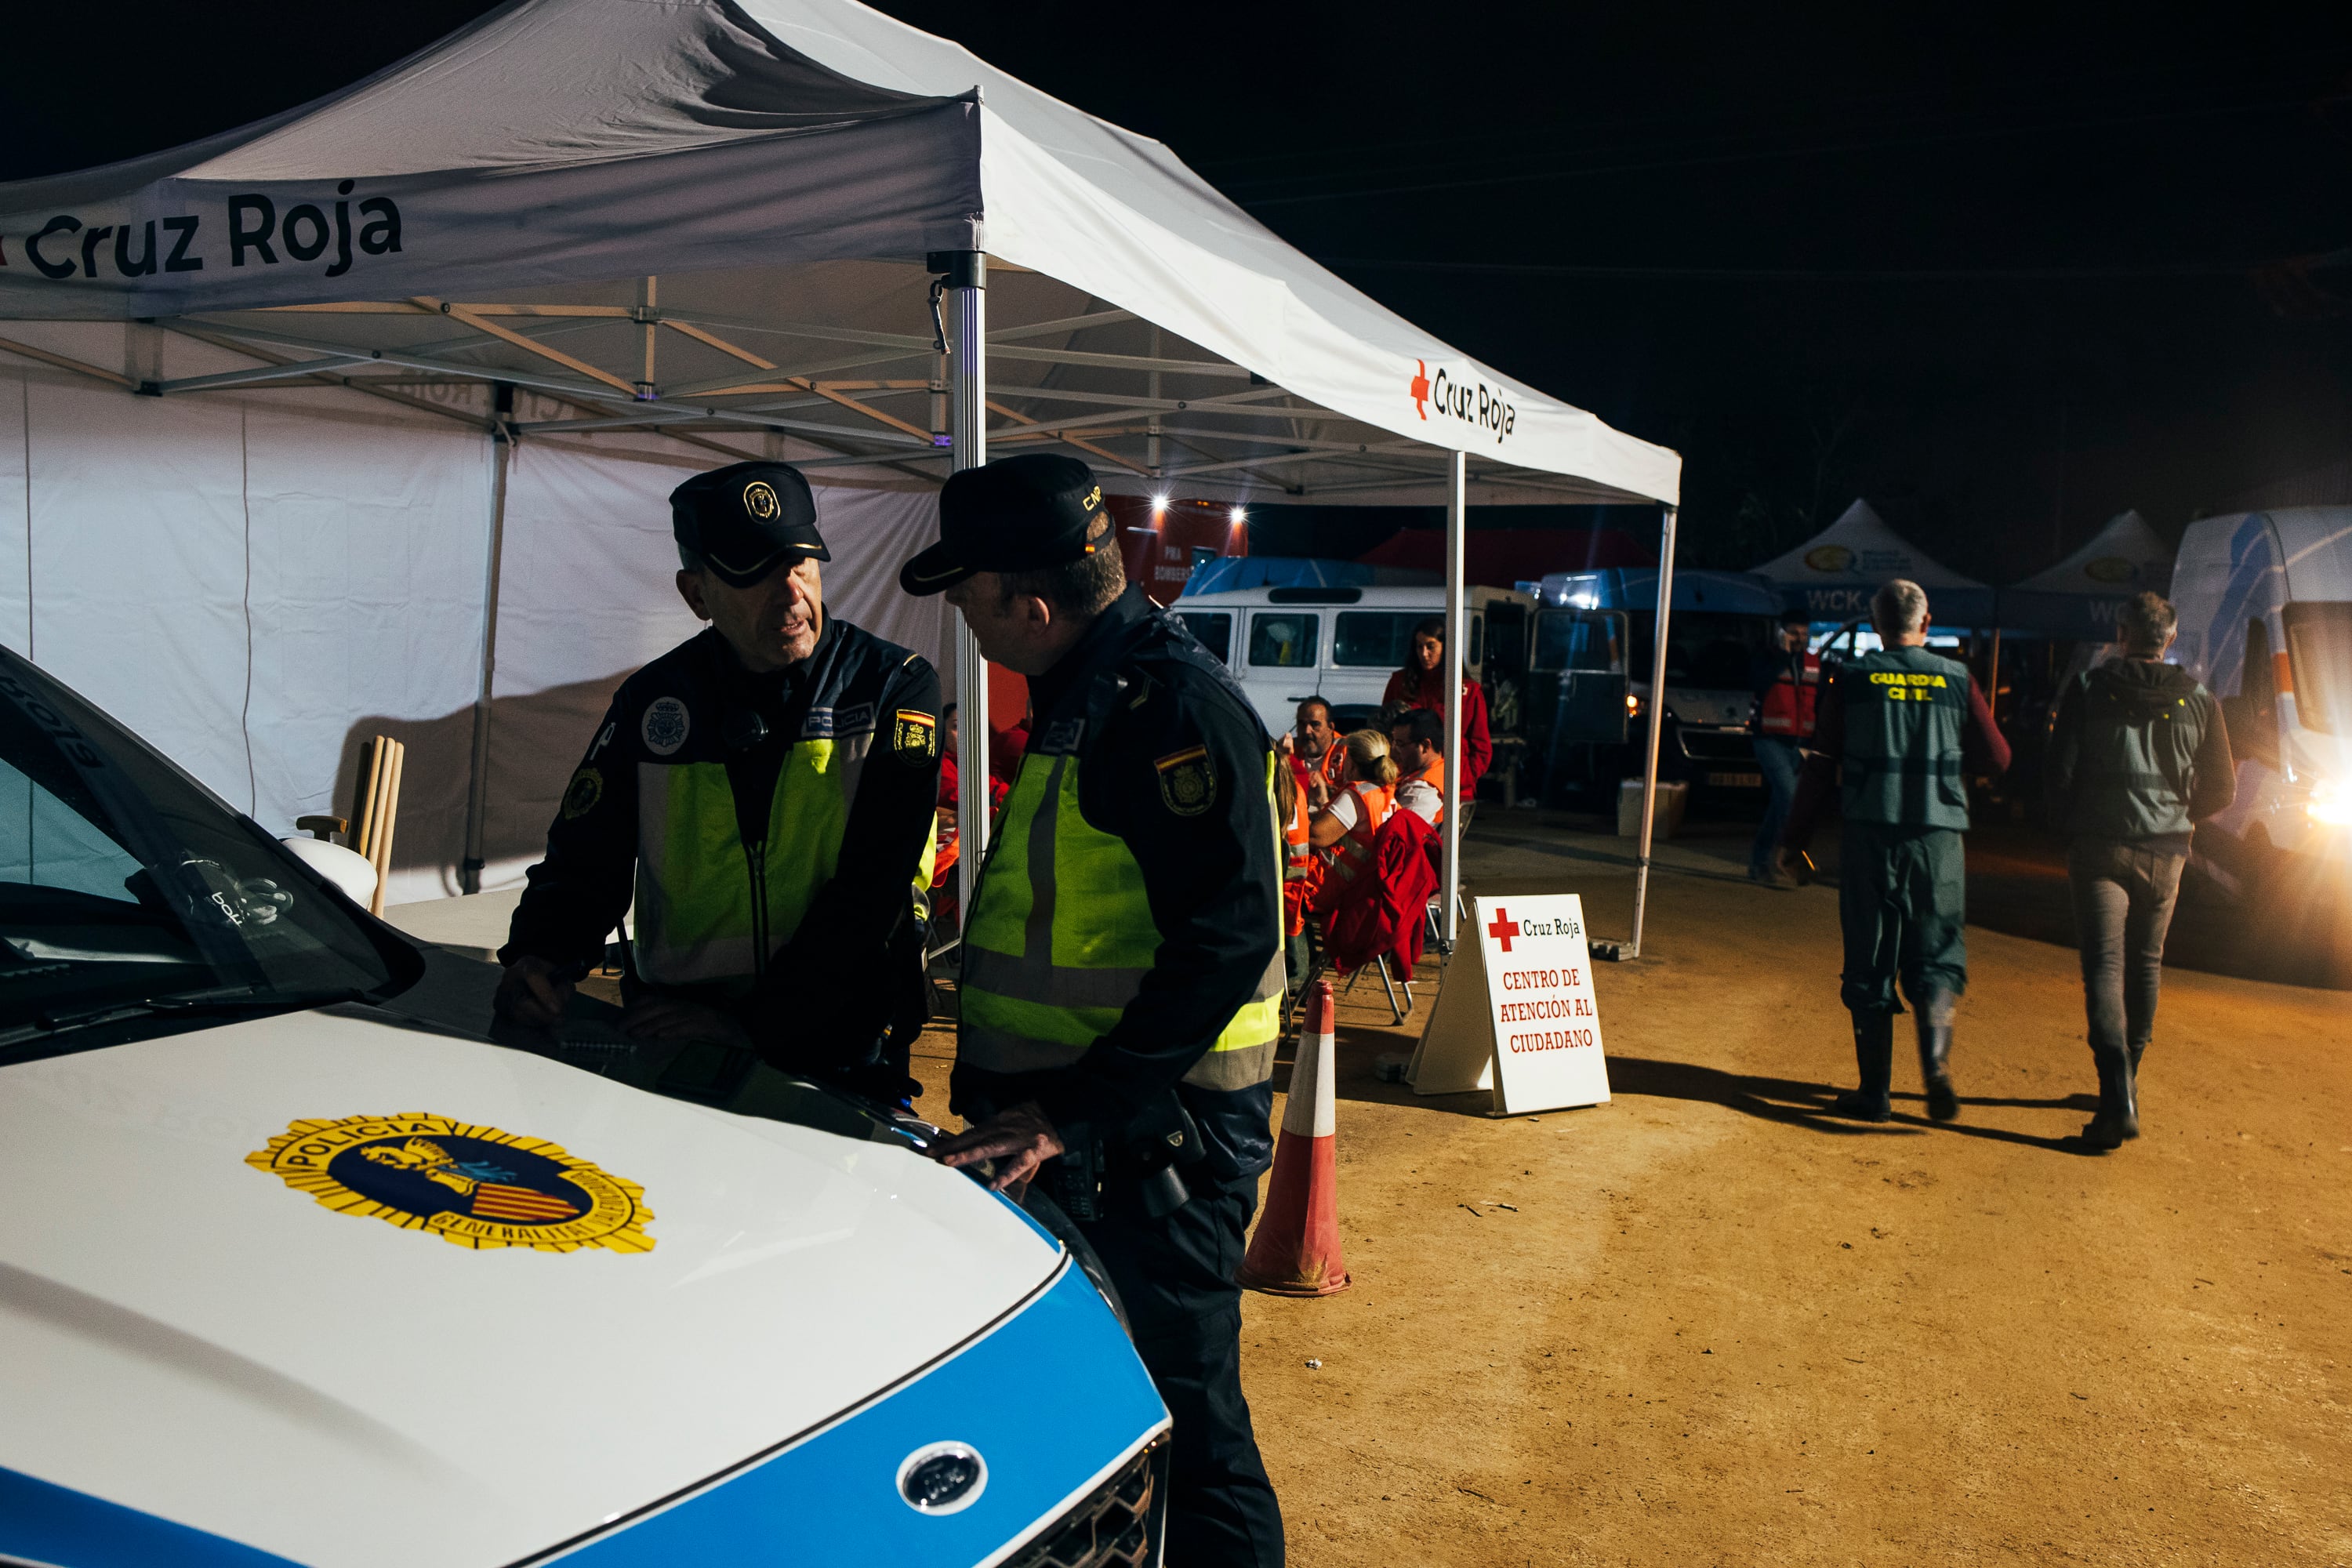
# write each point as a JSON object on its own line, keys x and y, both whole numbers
{"x": 2330, "y": 804}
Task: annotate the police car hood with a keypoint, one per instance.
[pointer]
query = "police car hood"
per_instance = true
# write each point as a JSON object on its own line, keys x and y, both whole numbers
{"x": 192, "y": 1324}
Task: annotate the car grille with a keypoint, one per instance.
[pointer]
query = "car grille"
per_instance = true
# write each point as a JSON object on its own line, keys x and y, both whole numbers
{"x": 1111, "y": 1529}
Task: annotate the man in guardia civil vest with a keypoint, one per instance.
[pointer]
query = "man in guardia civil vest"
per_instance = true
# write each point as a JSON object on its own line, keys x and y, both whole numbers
{"x": 1907, "y": 729}
{"x": 763, "y": 791}
{"x": 1123, "y": 972}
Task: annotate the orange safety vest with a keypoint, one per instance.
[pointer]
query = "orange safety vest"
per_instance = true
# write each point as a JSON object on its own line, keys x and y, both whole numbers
{"x": 1301, "y": 872}
{"x": 1787, "y": 705}
{"x": 1352, "y": 855}
{"x": 1433, "y": 776}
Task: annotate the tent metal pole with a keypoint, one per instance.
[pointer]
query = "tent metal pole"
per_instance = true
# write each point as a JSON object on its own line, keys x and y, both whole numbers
{"x": 1657, "y": 727}
{"x": 1457, "y": 661}
{"x": 478, "y": 786}
{"x": 967, "y": 298}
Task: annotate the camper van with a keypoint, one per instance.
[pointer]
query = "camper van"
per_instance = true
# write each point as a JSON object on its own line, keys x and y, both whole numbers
{"x": 1588, "y": 692}
{"x": 1341, "y": 644}
{"x": 2266, "y": 602}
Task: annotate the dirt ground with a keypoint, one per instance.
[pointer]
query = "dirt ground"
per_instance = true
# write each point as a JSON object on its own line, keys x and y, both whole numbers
{"x": 1719, "y": 1327}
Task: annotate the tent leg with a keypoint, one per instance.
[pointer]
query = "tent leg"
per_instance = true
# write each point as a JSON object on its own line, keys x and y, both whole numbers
{"x": 478, "y": 786}
{"x": 1992, "y": 681}
{"x": 1457, "y": 659}
{"x": 966, "y": 272}
{"x": 1633, "y": 949}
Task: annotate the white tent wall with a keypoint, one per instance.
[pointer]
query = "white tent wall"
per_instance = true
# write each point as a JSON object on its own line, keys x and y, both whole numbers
{"x": 588, "y": 595}
{"x": 256, "y": 582}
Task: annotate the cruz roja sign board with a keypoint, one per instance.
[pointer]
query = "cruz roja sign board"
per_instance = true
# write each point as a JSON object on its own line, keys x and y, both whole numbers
{"x": 1515, "y": 1012}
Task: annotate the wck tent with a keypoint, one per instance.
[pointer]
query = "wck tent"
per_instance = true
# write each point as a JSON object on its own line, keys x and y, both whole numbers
{"x": 788, "y": 227}
{"x": 1831, "y": 576}
{"x": 2079, "y": 597}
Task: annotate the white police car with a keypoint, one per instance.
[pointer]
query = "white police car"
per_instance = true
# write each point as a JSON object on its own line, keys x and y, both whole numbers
{"x": 294, "y": 1270}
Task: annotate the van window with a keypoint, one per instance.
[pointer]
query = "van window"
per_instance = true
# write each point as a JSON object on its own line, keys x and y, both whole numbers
{"x": 1374, "y": 639}
{"x": 1286, "y": 640}
{"x": 1573, "y": 639}
{"x": 1214, "y": 629}
{"x": 2319, "y": 657}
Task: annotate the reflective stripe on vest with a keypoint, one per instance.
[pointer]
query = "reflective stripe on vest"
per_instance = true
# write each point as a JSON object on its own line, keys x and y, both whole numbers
{"x": 1061, "y": 936}
{"x": 1905, "y": 710}
{"x": 1353, "y": 853}
{"x": 712, "y": 909}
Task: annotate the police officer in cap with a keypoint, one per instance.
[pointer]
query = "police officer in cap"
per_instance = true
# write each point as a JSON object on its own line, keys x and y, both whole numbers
{"x": 1122, "y": 963}
{"x": 764, "y": 792}
{"x": 1907, "y": 727}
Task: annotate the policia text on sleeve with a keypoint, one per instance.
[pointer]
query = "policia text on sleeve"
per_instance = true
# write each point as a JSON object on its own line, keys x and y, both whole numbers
{"x": 764, "y": 793}
{"x": 1121, "y": 987}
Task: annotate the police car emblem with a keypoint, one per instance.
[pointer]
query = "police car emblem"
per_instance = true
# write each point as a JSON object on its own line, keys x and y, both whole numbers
{"x": 472, "y": 1185}
{"x": 942, "y": 1477}
{"x": 664, "y": 726}
{"x": 580, "y": 798}
{"x": 915, "y": 736}
{"x": 1188, "y": 782}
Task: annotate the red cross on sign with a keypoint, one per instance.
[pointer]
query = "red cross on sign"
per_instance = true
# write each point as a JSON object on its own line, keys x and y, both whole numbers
{"x": 1504, "y": 929}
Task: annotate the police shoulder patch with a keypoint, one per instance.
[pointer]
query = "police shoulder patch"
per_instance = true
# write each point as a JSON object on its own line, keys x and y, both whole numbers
{"x": 580, "y": 798}
{"x": 1187, "y": 781}
{"x": 664, "y": 728}
{"x": 471, "y": 1185}
{"x": 915, "y": 736}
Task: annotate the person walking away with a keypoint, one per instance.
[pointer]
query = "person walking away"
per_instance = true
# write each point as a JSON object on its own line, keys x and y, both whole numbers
{"x": 1422, "y": 684}
{"x": 764, "y": 793}
{"x": 1907, "y": 728}
{"x": 1122, "y": 961}
{"x": 1787, "y": 681}
{"x": 2138, "y": 756}
{"x": 1417, "y": 744}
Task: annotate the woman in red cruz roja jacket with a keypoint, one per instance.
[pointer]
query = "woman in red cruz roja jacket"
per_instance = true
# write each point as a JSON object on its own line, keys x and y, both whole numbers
{"x": 1420, "y": 684}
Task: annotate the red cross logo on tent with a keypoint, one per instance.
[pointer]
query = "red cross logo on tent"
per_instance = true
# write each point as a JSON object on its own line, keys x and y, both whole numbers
{"x": 1420, "y": 387}
{"x": 1504, "y": 929}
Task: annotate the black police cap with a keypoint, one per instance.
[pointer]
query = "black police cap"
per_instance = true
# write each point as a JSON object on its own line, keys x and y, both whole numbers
{"x": 1016, "y": 514}
{"x": 746, "y": 520}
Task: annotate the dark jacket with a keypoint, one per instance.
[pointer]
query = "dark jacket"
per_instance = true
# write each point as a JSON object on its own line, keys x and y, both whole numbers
{"x": 1983, "y": 748}
{"x": 1135, "y": 690}
{"x": 824, "y": 990}
{"x": 2138, "y": 751}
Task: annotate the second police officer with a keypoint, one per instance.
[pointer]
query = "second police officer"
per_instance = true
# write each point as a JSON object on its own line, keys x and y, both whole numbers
{"x": 1907, "y": 727}
{"x": 764, "y": 793}
{"x": 1122, "y": 977}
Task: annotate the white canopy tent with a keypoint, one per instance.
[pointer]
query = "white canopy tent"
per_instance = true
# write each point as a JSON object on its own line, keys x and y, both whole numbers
{"x": 2079, "y": 597}
{"x": 726, "y": 231}
{"x": 1832, "y": 575}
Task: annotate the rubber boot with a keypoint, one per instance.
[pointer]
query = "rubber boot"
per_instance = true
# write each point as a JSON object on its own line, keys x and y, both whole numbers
{"x": 2118, "y": 1115}
{"x": 1933, "y": 1016}
{"x": 1874, "y": 1054}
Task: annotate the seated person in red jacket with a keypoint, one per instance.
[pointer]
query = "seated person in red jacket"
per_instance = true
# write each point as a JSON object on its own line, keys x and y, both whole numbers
{"x": 1422, "y": 684}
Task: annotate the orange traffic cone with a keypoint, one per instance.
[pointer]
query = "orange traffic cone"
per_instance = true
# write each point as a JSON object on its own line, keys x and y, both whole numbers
{"x": 1295, "y": 1251}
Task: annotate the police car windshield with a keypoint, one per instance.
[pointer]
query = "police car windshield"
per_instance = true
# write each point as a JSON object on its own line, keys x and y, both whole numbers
{"x": 122, "y": 879}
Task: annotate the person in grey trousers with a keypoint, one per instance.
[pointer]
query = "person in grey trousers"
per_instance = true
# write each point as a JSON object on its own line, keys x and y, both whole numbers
{"x": 2137, "y": 757}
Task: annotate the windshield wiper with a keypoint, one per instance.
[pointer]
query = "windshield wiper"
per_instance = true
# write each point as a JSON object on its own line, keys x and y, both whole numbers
{"x": 208, "y": 999}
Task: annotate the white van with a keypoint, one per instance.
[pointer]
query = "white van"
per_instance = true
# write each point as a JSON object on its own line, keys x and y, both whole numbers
{"x": 1286, "y": 644}
{"x": 2266, "y": 602}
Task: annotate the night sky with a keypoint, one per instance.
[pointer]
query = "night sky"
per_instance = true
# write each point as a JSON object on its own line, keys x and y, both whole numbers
{"x": 2004, "y": 274}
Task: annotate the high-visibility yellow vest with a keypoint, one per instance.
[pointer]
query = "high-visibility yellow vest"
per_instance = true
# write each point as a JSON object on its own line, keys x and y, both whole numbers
{"x": 712, "y": 911}
{"x": 1061, "y": 935}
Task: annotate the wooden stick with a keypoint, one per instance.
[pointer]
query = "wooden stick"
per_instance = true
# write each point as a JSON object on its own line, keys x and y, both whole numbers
{"x": 391, "y": 819}
{"x": 370, "y": 791}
